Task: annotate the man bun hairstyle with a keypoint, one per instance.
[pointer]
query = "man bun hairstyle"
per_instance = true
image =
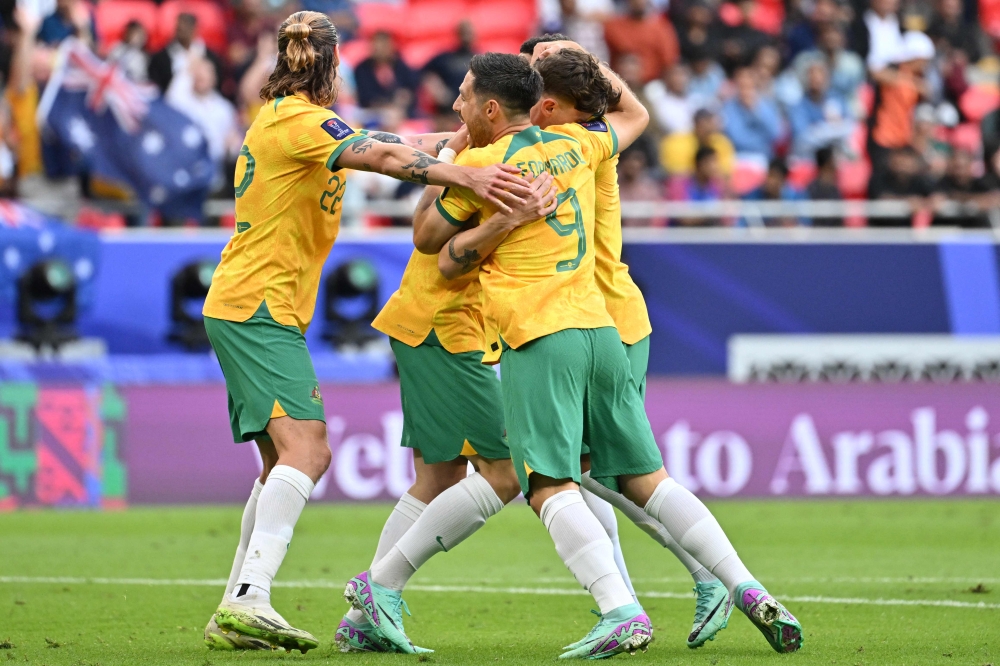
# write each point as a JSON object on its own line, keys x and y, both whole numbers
{"x": 508, "y": 79}
{"x": 307, "y": 63}
{"x": 575, "y": 76}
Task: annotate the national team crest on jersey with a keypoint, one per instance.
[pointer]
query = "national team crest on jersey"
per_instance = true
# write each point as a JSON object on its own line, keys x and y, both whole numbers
{"x": 337, "y": 128}
{"x": 596, "y": 125}
{"x": 316, "y": 397}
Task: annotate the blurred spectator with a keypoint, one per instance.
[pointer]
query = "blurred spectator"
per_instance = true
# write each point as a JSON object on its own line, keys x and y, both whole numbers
{"x": 671, "y": 105}
{"x": 384, "y": 79}
{"x": 707, "y": 76}
{"x": 902, "y": 180}
{"x": 586, "y": 29}
{"x": 244, "y": 28}
{"x": 846, "y": 69}
{"x": 700, "y": 35}
{"x": 130, "y": 53}
{"x": 21, "y": 94}
{"x": 704, "y": 184}
{"x": 899, "y": 90}
{"x": 804, "y": 34}
{"x": 776, "y": 188}
{"x": 635, "y": 182}
{"x": 820, "y": 119}
{"x": 629, "y": 68}
{"x": 932, "y": 147}
{"x": 678, "y": 152}
{"x": 751, "y": 123}
{"x": 877, "y": 36}
{"x": 446, "y": 71}
{"x": 742, "y": 41}
{"x": 174, "y": 58}
{"x": 950, "y": 30}
{"x": 256, "y": 75}
{"x": 196, "y": 97}
{"x": 976, "y": 195}
{"x": 825, "y": 186}
{"x": 71, "y": 18}
{"x": 646, "y": 34}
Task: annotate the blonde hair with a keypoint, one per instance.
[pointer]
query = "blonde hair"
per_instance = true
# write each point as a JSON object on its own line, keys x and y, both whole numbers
{"x": 307, "y": 62}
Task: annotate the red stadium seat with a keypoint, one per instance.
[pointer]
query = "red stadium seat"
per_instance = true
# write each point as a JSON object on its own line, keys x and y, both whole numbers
{"x": 430, "y": 20}
{"x": 768, "y": 17}
{"x": 513, "y": 20}
{"x": 852, "y": 177}
{"x": 801, "y": 173}
{"x": 379, "y": 17}
{"x": 211, "y": 22}
{"x": 968, "y": 137}
{"x": 978, "y": 101}
{"x": 989, "y": 17}
{"x": 747, "y": 176}
{"x": 354, "y": 51}
{"x": 111, "y": 17}
{"x": 418, "y": 54}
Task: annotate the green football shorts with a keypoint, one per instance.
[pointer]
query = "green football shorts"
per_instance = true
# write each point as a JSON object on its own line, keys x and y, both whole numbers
{"x": 638, "y": 363}
{"x": 451, "y": 403}
{"x": 268, "y": 373}
{"x": 569, "y": 387}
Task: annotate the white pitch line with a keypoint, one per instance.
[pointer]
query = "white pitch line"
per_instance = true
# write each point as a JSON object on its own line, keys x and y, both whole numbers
{"x": 482, "y": 589}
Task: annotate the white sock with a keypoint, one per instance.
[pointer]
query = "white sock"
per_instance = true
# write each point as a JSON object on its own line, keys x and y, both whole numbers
{"x": 403, "y": 515}
{"x": 246, "y": 529}
{"x": 694, "y": 527}
{"x": 585, "y": 549}
{"x": 605, "y": 514}
{"x": 281, "y": 502}
{"x": 450, "y": 519}
{"x": 648, "y": 525}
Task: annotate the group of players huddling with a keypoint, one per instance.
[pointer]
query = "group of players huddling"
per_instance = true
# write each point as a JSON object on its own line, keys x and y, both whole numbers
{"x": 517, "y": 261}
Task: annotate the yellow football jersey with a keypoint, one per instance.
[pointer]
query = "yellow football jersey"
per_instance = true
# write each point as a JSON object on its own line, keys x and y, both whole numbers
{"x": 288, "y": 194}
{"x": 540, "y": 279}
{"x": 623, "y": 298}
{"x": 425, "y": 300}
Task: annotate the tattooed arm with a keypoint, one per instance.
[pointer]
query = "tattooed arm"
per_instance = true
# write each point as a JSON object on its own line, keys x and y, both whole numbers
{"x": 467, "y": 249}
{"x": 500, "y": 184}
{"x": 428, "y": 143}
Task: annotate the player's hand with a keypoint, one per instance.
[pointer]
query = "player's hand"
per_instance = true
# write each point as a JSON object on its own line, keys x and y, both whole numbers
{"x": 545, "y": 49}
{"x": 459, "y": 141}
{"x": 542, "y": 201}
{"x": 501, "y": 185}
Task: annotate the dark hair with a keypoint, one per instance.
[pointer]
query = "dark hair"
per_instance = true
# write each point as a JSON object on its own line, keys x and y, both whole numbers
{"x": 508, "y": 79}
{"x": 778, "y": 164}
{"x": 703, "y": 114}
{"x": 576, "y": 77}
{"x": 824, "y": 157}
{"x": 306, "y": 64}
{"x": 528, "y": 47}
{"x": 702, "y": 153}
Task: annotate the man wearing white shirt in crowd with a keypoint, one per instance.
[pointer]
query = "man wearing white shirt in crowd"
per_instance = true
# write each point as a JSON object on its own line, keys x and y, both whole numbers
{"x": 885, "y": 39}
{"x": 671, "y": 105}
{"x": 195, "y": 96}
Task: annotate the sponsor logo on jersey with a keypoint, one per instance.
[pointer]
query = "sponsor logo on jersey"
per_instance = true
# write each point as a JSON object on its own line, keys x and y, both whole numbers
{"x": 596, "y": 125}
{"x": 337, "y": 128}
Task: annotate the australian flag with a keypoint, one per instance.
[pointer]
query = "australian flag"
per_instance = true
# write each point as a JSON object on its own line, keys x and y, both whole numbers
{"x": 120, "y": 132}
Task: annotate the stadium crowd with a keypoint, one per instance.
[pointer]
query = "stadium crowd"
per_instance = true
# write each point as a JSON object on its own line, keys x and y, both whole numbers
{"x": 753, "y": 99}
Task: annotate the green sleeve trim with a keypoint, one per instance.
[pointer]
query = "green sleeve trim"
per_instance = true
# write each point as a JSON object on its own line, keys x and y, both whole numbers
{"x": 331, "y": 163}
{"x": 451, "y": 219}
{"x": 614, "y": 139}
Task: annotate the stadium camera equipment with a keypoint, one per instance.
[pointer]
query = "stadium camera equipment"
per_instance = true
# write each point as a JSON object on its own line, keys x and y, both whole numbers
{"x": 188, "y": 289}
{"x": 350, "y": 303}
{"x": 46, "y": 304}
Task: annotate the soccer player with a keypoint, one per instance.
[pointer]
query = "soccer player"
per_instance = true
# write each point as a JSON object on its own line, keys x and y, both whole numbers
{"x": 452, "y": 415}
{"x": 566, "y": 379}
{"x": 263, "y": 295}
{"x": 568, "y": 97}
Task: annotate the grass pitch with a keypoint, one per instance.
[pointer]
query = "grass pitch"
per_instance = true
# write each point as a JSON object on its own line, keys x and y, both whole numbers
{"x": 887, "y": 582}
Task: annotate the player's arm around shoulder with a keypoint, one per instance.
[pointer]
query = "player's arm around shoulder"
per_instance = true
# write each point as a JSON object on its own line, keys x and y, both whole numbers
{"x": 467, "y": 249}
{"x": 498, "y": 184}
